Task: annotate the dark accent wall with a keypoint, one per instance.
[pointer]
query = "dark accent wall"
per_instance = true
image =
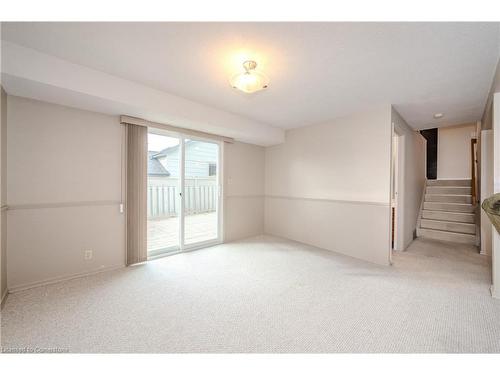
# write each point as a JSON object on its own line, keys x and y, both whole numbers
{"x": 431, "y": 135}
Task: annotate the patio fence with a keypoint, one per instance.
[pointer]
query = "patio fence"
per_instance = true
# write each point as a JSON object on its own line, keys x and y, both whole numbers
{"x": 163, "y": 196}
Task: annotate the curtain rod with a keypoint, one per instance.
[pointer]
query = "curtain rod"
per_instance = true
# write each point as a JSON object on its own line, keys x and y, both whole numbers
{"x": 141, "y": 122}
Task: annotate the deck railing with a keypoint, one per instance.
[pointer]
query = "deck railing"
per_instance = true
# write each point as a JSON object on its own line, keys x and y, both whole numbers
{"x": 163, "y": 196}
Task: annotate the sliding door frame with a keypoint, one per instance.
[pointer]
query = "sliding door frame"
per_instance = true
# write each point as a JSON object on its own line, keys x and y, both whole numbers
{"x": 183, "y": 247}
{"x": 220, "y": 194}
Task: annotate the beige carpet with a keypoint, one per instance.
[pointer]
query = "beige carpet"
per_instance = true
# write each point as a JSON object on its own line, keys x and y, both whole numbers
{"x": 267, "y": 295}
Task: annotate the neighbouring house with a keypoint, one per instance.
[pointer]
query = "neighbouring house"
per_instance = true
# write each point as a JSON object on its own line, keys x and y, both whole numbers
{"x": 200, "y": 179}
{"x": 201, "y": 160}
{"x": 155, "y": 168}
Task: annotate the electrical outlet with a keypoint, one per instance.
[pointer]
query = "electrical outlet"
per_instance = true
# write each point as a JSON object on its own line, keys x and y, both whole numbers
{"x": 88, "y": 254}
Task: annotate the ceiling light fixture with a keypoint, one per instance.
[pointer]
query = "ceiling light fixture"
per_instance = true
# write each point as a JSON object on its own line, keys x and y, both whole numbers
{"x": 250, "y": 81}
{"x": 438, "y": 116}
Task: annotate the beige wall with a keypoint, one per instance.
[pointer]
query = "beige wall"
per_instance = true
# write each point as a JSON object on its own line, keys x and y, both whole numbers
{"x": 64, "y": 189}
{"x": 243, "y": 190}
{"x": 65, "y": 186}
{"x": 3, "y": 193}
{"x": 329, "y": 185}
{"x": 411, "y": 178}
{"x": 453, "y": 159}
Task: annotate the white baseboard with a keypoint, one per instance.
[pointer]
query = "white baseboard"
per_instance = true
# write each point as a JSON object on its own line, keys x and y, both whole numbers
{"x": 54, "y": 280}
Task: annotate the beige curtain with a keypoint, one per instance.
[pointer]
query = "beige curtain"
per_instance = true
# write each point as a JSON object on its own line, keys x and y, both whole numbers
{"x": 137, "y": 151}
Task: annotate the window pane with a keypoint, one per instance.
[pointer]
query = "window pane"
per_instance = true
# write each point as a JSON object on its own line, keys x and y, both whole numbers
{"x": 163, "y": 194}
{"x": 201, "y": 191}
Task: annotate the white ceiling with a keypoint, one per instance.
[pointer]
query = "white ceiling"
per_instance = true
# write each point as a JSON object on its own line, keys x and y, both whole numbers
{"x": 317, "y": 71}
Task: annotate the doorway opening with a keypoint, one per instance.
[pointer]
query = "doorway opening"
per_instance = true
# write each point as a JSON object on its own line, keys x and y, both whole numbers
{"x": 183, "y": 193}
{"x": 431, "y": 136}
{"x": 397, "y": 163}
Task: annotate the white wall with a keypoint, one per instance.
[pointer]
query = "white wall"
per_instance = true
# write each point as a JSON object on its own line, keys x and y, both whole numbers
{"x": 243, "y": 190}
{"x": 453, "y": 159}
{"x": 486, "y": 191}
{"x": 412, "y": 178}
{"x": 329, "y": 185}
{"x": 487, "y": 119}
{"x": 3, "y": 193}
{"x": 495, "y": 257}
{"x": 64, "y": 189}
{"x": 490, "y": 170}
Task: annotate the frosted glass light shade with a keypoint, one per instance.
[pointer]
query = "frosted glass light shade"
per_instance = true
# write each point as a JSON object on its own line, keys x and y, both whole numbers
{"x": 250, "y": 81}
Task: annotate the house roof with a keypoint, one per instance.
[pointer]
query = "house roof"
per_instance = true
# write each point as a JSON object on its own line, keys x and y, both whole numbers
{"x": 155, "y": 168}
{"x": 169, "y": 150}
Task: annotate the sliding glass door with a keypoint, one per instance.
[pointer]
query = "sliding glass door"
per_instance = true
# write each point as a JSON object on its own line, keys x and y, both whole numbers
{"x": 163, "y": 194}
{"x": 201, "y": 191}
{"x": 183, "y": 191}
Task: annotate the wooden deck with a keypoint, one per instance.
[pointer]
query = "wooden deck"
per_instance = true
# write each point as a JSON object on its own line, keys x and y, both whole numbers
{"x": 163, "y": 233}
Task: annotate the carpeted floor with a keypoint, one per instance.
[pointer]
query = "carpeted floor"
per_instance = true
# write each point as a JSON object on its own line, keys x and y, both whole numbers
{"x": 267, "y": 295}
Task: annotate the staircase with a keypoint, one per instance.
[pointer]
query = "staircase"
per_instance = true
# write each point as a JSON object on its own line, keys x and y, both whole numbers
{"x": 448, "y": 213}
